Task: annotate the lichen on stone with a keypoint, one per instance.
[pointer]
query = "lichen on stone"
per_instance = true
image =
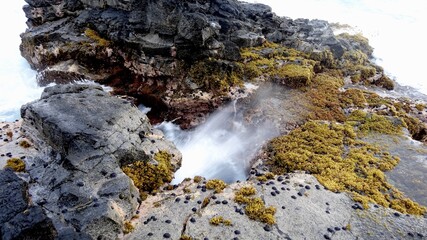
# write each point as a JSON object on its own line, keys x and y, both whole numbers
{"x": 341, "y": 162}
{"x": 16, "y": 164}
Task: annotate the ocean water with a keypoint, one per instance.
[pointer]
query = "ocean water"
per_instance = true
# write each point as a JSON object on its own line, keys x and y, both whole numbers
{"x": 17, "y": 80}
{"x": 395, "y": 28}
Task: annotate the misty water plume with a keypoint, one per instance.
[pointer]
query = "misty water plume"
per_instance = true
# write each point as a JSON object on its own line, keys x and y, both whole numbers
{"x": 225, "y": 145}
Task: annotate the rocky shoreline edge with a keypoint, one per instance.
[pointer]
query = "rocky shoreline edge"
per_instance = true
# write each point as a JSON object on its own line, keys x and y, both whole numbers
{"x": 83, "y": 164}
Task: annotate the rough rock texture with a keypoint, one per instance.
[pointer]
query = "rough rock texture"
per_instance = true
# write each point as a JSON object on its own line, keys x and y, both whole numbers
{"x": 304, "y": 210}
{"x": 84, "y": 136}
{"x": 146, "y": 48}
{"x": 12, "y": 143}
{"x": 18, "y": 220}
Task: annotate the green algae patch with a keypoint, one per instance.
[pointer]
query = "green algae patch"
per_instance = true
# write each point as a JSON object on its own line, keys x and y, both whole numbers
{"x": 219, "y": 220}
{"x": 16, "y": 164}
{"x": 254, "y": 206}
{"x": 149, "y": 177}
{"x": 341, "y": 162}
{"x": 216, "y": 184}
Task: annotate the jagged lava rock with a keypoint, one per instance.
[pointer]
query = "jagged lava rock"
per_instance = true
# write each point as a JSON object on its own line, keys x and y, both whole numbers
{"x": 19, "y": 220}
{"x": 146, "y": 49}
{"x": 84, "y": 136}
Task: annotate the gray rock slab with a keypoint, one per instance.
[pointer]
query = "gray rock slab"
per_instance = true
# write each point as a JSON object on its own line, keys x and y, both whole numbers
{"x": 304, "y": 210}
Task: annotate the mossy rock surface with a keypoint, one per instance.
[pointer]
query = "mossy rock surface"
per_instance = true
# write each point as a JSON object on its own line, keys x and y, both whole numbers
{"x": 148, "y": 177}
{"x": 215, "y": 75}
{"x": 341, "y": 162}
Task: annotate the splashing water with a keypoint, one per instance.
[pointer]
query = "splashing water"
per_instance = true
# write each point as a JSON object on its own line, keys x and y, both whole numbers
{"x": 222, "y": 147}
{"x": 17, "y": 80}
{"x": 226, "y": 144}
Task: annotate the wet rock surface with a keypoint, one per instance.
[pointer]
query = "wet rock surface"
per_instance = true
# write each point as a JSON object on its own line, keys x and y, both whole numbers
{"x": 84, "y": 136}
{"x": 304, "y": 210}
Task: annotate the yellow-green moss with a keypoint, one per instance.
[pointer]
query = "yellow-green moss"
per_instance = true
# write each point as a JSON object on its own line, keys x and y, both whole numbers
{"x": 355, "y": 57}
{"x": 216, "y": 184}
{"x": 324, "y": 100}
{"x": 369, "y": 122}
{"x": 185, "y": 237}
{"x": 414, "y": 126}
{"x": 262, "y": 178}
{"x": 293, "y": 68}
{"x": 16, "y": 164}
{"x": 92, "y": 34}
{"x": 205, "y": 202}
{"x": 385, "y": 82}
{"x": 375, "y": 100}
{"x": 295, "y": 75}
{"x": 325, "y": 59}
{"x": 420, "y": 107}
{"x": 215, "y": 75}
{"x": 128, "y": 227}
{"x": 149, "y": 177}
{"x": 360, "y": 40}
{"x": 366, "y": 71}
{"x": 197, "y": 179}
{"x": 353, "y": 97}
{"x": 219, "y": 220}
{"x": 255, "y": 208}
{"x": 24, "y": 144}
{"x": 340, "y": 162}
